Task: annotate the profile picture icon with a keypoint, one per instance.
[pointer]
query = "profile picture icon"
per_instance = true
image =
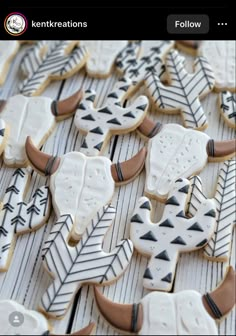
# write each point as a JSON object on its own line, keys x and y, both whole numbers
{"x": 15, "y": 24}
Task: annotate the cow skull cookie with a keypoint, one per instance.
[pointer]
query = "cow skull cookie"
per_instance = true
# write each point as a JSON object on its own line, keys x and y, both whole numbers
{"x": 183, "y": 313}
{"x": 81, "y": 185}
{"x": 34, "y": 116}
{"x": 102, "y": 55}
{"x": 15, "y": 319}
{"x": 173, "y": 234}
{"x": 17, "y": 217}
{"x": 219, "y": 246}
{"x": 138, "y": 59}
{"x": 228, "y": 108}
{"x": 175, "y": 152}
{"x": 184, "y": 91}
{"x": 86, "y": 262}
{"x": 98, "y": 124}
{"x": 50, "y": 60}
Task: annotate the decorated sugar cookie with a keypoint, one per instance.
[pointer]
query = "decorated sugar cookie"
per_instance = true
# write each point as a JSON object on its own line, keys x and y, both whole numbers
{"x": 189, "y": 46}
{"x": 138, "y": 59}
{"x": 102, "y": 55}
{"x": 98, "y": 124}
{"x": 35, "y": 116}
{"x": 15, "y": 319}
{"x": 81, "y": 185}
{"x": 173, "y": 234}
{"x": 219, "y": 246}
{"x": 8, "y": 50}
{"x": 4, "y": 133}
{"x": 48, "y": 61}
{"x": 86, "y": 262}
{"x": 175, "y": 152}
{"x": 183, "y": 313}
{"x": 17, "y": 217}
{"x": 228, "y": 108}
{"x": 184, "y": 91}
{"x": 221, "y": 54}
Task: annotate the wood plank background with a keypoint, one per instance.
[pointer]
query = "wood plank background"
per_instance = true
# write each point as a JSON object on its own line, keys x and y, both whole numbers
{"x": 26, "y": 279}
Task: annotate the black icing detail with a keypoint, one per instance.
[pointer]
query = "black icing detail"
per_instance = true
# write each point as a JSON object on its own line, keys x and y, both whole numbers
{"x": 19, "y": 171}
{"x": 167, "y": 223}
{"x": 2, "y": 131}
{"x": 181, "y": 214}
{"x": 118, "y": 104}
{"x": 167, "y": 278}
{"x": 179, "y": 180}
{"x": 13, "y": 189}
{"x": 113, "y": 121}
{"x": 91, "y": 98}
{"x": 81, "y": 107}
{"x": 202, "y": 243}
{"x": 134, "y": 319}
{"x": 88, "y": 117}
{"x": 136, "y": 218}
{"x": 146, "y": 205}
{"x": 141, "y": 107}
{"x": 123, "y": 80}
{"x": 97, "y": 130}
{"x": 148, "y": 274}
{"x": 172, "y": 201}
{"x": 196, "y": 227}
{"x": 163, "y": 256}
{"x": 88, "y": 91}
{"x": 149, "y": 236}
{"x": 213, "y": 306}
{"x": 124, "y": 88}
{"x": 3, "y": 231}
{"x": 84, "y": 144}
{"x": 178, "y": 240}
{"x": 211, "y": 213}
{"x": 112, "y": 95}
{"x": 129, "y": 114}
{"x": 185, "y": 189}
{"x": 105, "y": 110}
{"x": 98, "y": 146}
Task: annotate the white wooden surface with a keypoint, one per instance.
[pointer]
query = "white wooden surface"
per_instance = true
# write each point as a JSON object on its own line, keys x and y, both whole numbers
{"x": 26, "y": 279}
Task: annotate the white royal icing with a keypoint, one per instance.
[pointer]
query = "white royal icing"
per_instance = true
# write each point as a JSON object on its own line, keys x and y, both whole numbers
{"x": 185, "y": 89}
{"x": 17, "y": 217}
{"x": 26, "y": 116}
{"x": 173, "y": 234}
{"x": 180, "y": 313}
{"x": 7, "y": 50}
{"x": 221, "y": 54}
{"x": 34, "y": 322}
{"x": 100, "y": 123}
{"x": 219, "y": 246}
{"x": 80, "y": 187}
{"x": 102, "y": 55}
{"x": 87, "y": 262}
{"x": 228, "y": 108}
{"x": 174, "y": 152}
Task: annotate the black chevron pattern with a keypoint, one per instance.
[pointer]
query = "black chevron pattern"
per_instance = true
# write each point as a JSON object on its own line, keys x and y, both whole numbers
{"x": 185, "y": 90}
{"x": 55, "y": 63}
{"x": 225, "y": 199}
{"x": 18, "y": 217}
{"x": 173, "y": 234}
{"x": 84, "y": 263}
{"x": 228, "y": 108}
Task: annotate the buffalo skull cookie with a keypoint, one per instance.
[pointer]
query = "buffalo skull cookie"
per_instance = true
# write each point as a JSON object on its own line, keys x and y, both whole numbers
{"x": 34, "y": 116}
{"x": 174, "y": 152}
{"x": 184, "y": 313}
{"x": 102, "y": 55}
{"x": 15, "y": 319}
{"x": 86, "y": 262}
{"x": 219, "y": 246}
{"x": 98, "y": 124}
{"x": 81, "y": 185}
{"x": 138, "y": 59}
{"x": 173, "y": 234}
{"x": 184, "y": 91}
{"x": 8, "y": 50}
{"x": 228, "y": 108}
{"x": 17, "y": 217}
{"x": 48, "y": 61}
{"x": 221, "y": 54}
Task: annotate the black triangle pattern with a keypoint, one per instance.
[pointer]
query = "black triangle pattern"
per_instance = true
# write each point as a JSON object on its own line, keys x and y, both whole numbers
{"x": 178, "y": 240}
{"x": 172, "y": 201}
{"x": 185, "y": 189}
{"x": 97, "y": 130}
{"x": 112, "y": 95}
{"x": 136, "y": 218}
{"x": 211, "y": 213}
{"x": 114, "y": 121}
{"x": 129, "y": 114}
{"x": 148, "y": 274}
{"x": 202, "y": 243}
{"x": 181, "y": 214}
{"x": 196, "y": 227}
{"x": 167, "y": 223}
{"x": 88, "y": 117}
{"x": 99, "y": 146}
{"x": 81, "y": 107}
{"x": 141, "y": 107}
{"x": 105, "y": 110}
{"x": 145, "y": 205}
{"x": 149, "y": 236}
{"x": 84, "y": 144}
{"x": 167, "y": 278}
{"x": 91, "y": 98}
{"x": 163, "y": 256}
